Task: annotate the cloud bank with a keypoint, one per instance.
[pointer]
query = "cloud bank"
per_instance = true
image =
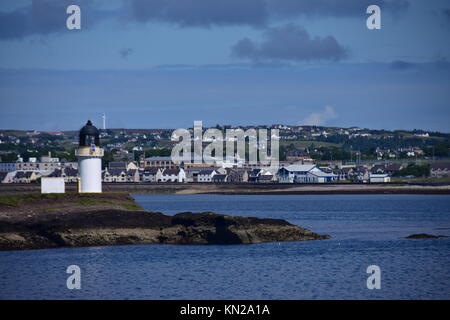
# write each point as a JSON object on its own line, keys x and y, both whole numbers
{"x": 320, "y": 118}
{"x": 126, "y": 52}
{"x": 44, "y": 17}
{"x": 289, "y": 43}
{"x": 255, "y": 13}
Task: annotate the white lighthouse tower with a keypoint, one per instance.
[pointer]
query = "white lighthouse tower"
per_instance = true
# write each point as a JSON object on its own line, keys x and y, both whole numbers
{"x": 89, "y": 155}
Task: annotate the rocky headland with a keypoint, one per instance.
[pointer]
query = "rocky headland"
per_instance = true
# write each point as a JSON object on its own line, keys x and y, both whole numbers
{"x": 35, "y": 221}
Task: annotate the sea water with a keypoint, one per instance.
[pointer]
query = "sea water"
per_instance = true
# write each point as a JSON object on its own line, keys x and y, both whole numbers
{"x": 366, "y": 230}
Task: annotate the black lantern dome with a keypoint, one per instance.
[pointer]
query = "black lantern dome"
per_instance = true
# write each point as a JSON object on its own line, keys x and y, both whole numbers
{"x": 89, "y": 135}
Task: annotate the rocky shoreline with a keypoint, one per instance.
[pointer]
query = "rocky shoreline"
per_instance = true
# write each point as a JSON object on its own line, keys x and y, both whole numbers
{"x": 72, "y": 220}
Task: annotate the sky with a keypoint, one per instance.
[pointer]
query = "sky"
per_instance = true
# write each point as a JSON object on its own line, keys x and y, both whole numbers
{"x": 166, "y": 63}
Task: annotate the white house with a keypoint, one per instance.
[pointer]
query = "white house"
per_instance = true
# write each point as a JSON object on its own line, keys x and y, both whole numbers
{"x": 173, "y": 175}
{"x": 379, "y": 178}
{"x": 152, "y": 174}
{"x": 304, "y": 173}
{"x": 25, "y": 176}
{"x": 69, "y": 174}
{"x": 206, "y": 175}
{"x": 114, "y": 175}
{"x": 7, "y": 177}
{"x": 133, "y": 175}
{"x": 439, "y": 170}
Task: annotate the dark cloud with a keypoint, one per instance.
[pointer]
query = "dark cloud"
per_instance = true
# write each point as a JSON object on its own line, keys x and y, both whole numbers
{"x": 207, "y": 13}
{"x": 43, "y": 17}
{"x": 334, "y": 8}
{"x": 48, "y": 16}
{"x": 200, "y": 12}
{"x": 401, "y": 65}
{"x": 446, "y": 14}
{"x": 125, "y": 52}
{"x": 289, "y": 43}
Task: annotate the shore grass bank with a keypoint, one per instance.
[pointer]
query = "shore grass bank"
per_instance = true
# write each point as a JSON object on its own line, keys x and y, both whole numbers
{"x": 245, "y": 188}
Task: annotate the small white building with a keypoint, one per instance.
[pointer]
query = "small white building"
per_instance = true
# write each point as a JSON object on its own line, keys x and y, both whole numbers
{"x": 379, "y": 178}
{"x": 173, "y": 175}
{"x": 52, "y": 185}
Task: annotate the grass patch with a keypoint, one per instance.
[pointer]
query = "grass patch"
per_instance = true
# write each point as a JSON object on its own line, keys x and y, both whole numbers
{"x": 91, "y": 202}
{"x": 131, "y": 206}
{"x": 10, "y": 200}
{"x": 52, "y": 201}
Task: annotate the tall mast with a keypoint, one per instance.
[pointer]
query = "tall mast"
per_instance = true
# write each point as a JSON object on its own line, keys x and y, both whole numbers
{"x": 104, "y": 121}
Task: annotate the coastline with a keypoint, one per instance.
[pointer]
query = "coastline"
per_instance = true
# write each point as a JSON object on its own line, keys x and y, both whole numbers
{"x": 245, "y": 188}
{"x": 36, "y": 221}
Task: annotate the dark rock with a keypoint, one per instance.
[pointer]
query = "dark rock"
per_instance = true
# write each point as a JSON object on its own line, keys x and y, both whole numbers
{"x": 116, "y": 227}
{"x": 424, "y": 236}
{"x": 74, "y": 220}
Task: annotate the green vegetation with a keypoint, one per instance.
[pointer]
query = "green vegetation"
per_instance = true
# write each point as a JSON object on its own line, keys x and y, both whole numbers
{"x": 415, "y": 170}
{"x": 157, "y": 152}
{"x": 94, "y": 202}
{"x": 91, "y": 202}
{"x": 131, "y": 206}
{"x": 439, "y": 150}
{"x": 18, "y": 199}
{"x": 90, "y": 199}
{"x": 10, "y": 200}
{"x": 10, "y": 157}
{"x": 308, "y": 144}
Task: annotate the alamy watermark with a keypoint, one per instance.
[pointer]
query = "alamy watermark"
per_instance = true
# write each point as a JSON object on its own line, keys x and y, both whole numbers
{"x": 74, "y": 280}
{"x": 374, "y": 280}
{"x": 236, "y": 148}
{"x": 73, "y": 21}
{"x": 373, "y": 22}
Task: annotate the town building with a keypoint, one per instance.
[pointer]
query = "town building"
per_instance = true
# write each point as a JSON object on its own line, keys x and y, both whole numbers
{"x": 206, "y": 175}
{"x": 379, "y": 178}
{"x": 304, "y": 173}
{"x": 219, "y": 178}
{"x": 152, "y": 174}
{"x": 238, "y": 175}
{"x": 159, "y": 162}
{"x": 133, "y": 175}
{"x": 3, "y": 175}
{"x": 25, "y": 177}
{"x": 69, "y": 174}
{"x": 8, "y": 166}
{"x": 123, "y": 165}
{"x": 173, "y": 175}
{"x": 440, "y": 169}
{"x": 114, "y": 175}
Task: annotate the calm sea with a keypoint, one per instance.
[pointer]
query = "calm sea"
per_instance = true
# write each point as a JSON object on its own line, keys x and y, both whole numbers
{"x": 366, "y": 230}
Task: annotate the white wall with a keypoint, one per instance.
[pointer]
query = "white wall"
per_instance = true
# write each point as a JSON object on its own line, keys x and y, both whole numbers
{"x": 52, "y": 185}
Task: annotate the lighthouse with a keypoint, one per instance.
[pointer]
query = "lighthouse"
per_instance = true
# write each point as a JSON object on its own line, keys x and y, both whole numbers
{"x": 89, "y": 155}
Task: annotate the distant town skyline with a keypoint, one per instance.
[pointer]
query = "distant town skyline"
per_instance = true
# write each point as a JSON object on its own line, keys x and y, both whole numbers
{"x": 160, "y": 64}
